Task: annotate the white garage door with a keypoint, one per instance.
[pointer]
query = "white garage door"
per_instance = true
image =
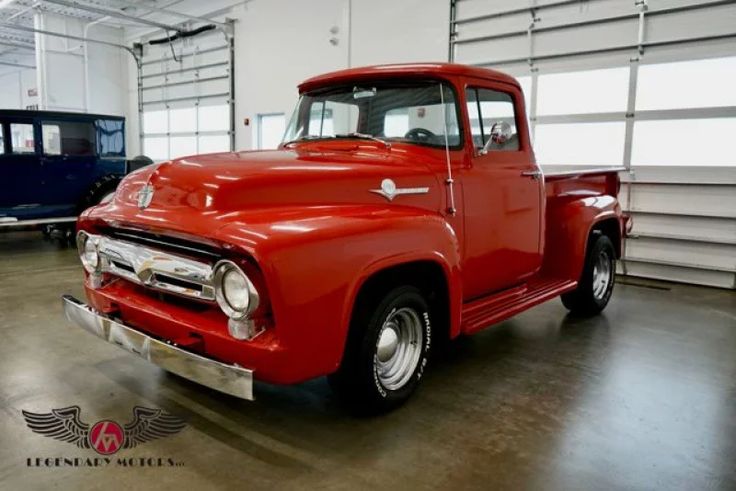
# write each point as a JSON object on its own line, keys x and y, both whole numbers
{"x": 187, "y": 97}
{"x": 644, "y": 84}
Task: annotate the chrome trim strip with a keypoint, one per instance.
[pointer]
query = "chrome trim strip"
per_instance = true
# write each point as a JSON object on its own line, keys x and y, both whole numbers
{"x": 156, "y": 269}
{"x": 583, "y": 171}
{"x": 229, "y": 379}
{"x": 14, "y": 222}
{"x": 171, "y": 245}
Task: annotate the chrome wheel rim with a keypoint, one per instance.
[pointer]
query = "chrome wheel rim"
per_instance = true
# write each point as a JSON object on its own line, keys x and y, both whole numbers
{"x": 398, "y": 348}
{"x": 602, "y": 275}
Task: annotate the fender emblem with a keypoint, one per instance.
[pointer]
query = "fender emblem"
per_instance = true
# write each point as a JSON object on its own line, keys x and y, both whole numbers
{"x": 390, "y": 191}
{"x": 145, "y": 195}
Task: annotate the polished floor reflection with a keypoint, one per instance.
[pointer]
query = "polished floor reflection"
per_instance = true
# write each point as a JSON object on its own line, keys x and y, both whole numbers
{"x": 642, "y": 397}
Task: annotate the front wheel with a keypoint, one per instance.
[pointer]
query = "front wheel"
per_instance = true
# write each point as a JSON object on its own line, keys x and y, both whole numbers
{"x": 596, "y": 282}
{"x": 387, "y": 351}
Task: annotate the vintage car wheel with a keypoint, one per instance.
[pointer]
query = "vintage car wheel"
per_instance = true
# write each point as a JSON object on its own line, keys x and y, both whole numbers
{"x": 387, "y": 351}
{"x": 597, "y": 280}
{"x": 101, "y": 192}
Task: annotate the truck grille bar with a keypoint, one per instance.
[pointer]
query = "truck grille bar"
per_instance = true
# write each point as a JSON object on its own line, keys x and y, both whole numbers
{"x": 156, "y": 269}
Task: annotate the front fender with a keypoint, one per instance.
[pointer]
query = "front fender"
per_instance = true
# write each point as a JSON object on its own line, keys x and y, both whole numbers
{"x": 315, "y": 260}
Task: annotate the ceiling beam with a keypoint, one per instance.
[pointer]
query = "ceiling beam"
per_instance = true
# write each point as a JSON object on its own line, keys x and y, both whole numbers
{"x": 148, "y": 6}
{"x": 18, "y": 27}
{"x": 17, "y": 65}
{"x": 113, "y": 13}
{"x": 29, "y": 47}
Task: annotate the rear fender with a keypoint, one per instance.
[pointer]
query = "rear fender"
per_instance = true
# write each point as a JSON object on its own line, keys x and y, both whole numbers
{"x": 569, "y": 224}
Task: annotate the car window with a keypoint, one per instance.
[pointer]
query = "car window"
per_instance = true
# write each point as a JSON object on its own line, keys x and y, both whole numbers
{"x": 111, "y": 133}
{"x": 21, "y": 135}
{"x": 328, "y": 118}
{"x": 2, "y": 140}
{"x": 492, "y": 118}
{"x": 68, "y": 138}
{"x": 421, "y": 112}
{"x": 51, "y": 139}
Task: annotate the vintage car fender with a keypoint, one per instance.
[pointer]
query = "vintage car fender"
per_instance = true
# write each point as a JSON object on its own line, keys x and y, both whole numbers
{"x": 314, "y": 261}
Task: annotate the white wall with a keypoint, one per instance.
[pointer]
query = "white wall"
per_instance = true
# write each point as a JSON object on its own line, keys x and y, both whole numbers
{"x": 62, "y": 83}
{"x": 275, "y": 51}
{"x": 279, "y": 43}
{"x": 14, "y": 87}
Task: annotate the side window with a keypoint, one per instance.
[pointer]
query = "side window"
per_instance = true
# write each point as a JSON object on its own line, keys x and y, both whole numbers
{"x": 492, "y": 120}
{"x": 66, "y": 138}
{"x": 51, "y": 139}
{"x": 21, "y": 135}
{"x": 111, "y": 134}
{"x": 2, "y": 139}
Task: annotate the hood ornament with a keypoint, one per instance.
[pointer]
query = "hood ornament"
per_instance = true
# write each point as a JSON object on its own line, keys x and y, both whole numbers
{"x": 390, "y": 191}
{"x": 145, "y": 196}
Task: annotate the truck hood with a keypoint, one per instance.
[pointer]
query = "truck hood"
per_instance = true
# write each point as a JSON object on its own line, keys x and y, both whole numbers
{"x": 229, "y": 184}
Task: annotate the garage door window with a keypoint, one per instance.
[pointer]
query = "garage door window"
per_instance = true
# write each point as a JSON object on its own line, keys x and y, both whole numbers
{"x": 62, "y": 138}
{"x": 22, "y": 138}
{"x": 687, "y": 84}
{"x": 580, "y": 144}
{"x": 684, "y": 142}
{"x": 176, "y": 132}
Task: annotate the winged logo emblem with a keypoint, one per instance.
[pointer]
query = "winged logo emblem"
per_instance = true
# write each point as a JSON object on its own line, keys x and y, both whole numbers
{"x": 104, "y": 437}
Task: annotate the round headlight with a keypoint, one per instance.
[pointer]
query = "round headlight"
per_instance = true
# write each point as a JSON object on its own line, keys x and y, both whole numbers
{"x": 87, "y": 248}
{"x": 233, "y": 290}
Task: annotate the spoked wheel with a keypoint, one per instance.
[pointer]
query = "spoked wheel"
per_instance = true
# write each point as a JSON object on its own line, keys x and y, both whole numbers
{"x": 387, "y": 351}
{"x": 597, "y": 280}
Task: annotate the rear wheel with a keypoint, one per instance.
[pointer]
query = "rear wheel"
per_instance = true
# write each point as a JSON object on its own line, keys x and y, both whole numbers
{"x": 387, "y": 351}
{"x": 597, "y": 280}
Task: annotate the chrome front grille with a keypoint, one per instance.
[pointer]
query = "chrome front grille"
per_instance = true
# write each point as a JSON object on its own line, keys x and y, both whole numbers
{"x": 156, "y": 269}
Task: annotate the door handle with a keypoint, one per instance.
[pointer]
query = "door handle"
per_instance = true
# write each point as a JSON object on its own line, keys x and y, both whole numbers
{"x": 534, "y": 174}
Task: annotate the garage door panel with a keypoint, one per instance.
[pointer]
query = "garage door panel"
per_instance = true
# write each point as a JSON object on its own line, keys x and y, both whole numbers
{"x": 718, "y": 230}
{"x": 709, "y": 201}
{"x": 721, "y": 257}
{"x": 678, "y": 274}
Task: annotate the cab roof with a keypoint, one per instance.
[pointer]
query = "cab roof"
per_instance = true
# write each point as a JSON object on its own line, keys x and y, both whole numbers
{"x": 430, "y": 70}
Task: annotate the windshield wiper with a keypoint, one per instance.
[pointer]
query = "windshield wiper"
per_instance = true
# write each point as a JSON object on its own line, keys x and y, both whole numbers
{"x": 307, "y": 138}
{"x": 365, "y": 136}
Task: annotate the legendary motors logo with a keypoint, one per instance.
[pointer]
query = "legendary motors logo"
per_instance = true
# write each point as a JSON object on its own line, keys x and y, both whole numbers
{"x": 105, "y": 437}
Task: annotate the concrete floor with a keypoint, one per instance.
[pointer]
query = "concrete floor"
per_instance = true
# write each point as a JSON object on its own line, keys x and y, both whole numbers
{"x": 642, "y": 397}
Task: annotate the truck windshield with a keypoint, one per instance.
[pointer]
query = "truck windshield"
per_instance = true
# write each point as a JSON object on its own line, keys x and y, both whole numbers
{"x": 422, "y": 113}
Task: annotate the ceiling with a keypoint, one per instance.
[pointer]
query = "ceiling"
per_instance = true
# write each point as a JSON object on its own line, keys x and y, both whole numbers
{"x": 17, "y": 47}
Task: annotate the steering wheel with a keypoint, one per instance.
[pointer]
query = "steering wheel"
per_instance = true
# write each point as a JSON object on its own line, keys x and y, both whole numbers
{"x": 419, "y": 134}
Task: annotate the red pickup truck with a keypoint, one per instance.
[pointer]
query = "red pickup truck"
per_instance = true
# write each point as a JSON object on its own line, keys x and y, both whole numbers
{"x": 404, "y": 208}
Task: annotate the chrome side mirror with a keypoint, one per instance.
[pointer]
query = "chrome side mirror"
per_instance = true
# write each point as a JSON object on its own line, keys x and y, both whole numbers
{"x": 500, "y": 134}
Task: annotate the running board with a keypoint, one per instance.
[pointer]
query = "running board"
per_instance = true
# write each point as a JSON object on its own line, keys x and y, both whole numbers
{"x": 8, "y": 222}
{"x": 483, "y": 312}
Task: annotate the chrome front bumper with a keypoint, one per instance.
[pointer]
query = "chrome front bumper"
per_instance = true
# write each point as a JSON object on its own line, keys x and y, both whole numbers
{"x": 229, "y": 379}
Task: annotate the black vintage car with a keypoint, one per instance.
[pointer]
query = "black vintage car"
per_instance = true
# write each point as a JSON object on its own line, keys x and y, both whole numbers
{"x": 53, "y": 165}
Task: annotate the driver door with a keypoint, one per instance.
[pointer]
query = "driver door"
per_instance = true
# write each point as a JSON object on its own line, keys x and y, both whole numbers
{"x": 503, "y": 190}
